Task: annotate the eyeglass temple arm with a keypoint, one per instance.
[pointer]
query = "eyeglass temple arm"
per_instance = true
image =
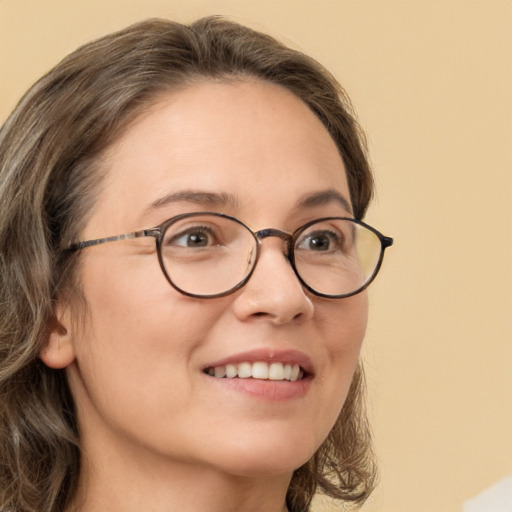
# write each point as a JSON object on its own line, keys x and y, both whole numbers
{"x": 155, "y": 232}
{"x": 386, "y": 241}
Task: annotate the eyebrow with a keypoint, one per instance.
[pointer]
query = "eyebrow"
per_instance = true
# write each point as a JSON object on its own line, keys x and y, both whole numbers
{"x": 325, "y": 197}
{"x": 196, "y": 197}
{"x": 223, "y": 199}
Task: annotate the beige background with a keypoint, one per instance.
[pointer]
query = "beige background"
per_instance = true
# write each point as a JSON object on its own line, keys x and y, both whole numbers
{"x": 432, "y": 82}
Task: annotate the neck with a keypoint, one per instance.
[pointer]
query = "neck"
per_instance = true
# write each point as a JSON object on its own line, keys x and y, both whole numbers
{"x": 134, "y": 486}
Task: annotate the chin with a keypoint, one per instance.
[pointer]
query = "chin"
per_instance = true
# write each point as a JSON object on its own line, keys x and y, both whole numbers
{"x": 271, "y": 454}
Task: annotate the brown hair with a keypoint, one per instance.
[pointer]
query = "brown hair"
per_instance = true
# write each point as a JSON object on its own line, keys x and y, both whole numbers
{"x": 48, "y": 150}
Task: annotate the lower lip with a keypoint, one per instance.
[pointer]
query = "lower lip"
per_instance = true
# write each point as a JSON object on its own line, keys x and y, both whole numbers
{"x": 269, "y": 390}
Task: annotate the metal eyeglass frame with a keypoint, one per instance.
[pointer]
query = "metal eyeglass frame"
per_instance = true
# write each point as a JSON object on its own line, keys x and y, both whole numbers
{"x": 158, "y": 232}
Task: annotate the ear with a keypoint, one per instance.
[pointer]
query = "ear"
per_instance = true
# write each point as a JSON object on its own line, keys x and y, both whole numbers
{"x": 59, "y": 350}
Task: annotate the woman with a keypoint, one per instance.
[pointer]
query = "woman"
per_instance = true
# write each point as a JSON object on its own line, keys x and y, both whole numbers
{"x": 182, "y": 303}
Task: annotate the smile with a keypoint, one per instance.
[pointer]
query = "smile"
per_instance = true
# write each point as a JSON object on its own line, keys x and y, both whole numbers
{"x": 260, "y": 370}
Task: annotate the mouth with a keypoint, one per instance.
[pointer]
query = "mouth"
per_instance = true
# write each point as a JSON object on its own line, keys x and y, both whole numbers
{"x": 258, "y": 370}
{"x": 265, "y": 374}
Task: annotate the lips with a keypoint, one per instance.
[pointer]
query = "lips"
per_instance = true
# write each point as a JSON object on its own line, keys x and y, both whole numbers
{"x": 276, "y": 371}
{"x": 261, "y": 364}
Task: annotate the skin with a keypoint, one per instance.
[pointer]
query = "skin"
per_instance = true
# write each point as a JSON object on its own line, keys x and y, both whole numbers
{"x": 158, "y": 434}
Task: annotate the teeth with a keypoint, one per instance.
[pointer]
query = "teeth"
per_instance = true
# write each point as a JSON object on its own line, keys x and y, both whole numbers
{"x": 231, "y": 371}
{"x": 276, "y": 371}
{"x": 295, "y": 372}
{"x": 220, "y": 371}
{"x": 244, "y": 370}
{"x": 258, "y": 370}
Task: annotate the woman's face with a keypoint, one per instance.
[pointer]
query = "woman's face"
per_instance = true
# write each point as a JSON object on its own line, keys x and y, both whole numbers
{"x": 139, "y": 371}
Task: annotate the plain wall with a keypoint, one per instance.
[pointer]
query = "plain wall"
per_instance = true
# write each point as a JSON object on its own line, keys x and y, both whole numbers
{"x": 432, "y": 83}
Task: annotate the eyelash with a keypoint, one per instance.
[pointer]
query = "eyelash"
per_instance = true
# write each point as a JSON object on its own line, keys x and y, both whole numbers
{"x": 192, "y": 230}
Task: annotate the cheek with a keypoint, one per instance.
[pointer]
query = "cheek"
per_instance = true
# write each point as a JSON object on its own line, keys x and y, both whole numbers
{"x": 344, "y": 330}
{"x": 345, "y": 324}
{"x": 141, "y": 335}
{"x": 128, "y": 298}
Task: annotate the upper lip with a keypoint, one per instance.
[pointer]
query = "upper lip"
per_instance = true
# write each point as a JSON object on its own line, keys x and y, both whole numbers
{"x": 267, "y": 355}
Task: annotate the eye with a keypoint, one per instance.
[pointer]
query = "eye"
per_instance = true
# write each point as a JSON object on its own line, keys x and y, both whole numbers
{"x": 193, "y": 237}
{"x": 321, "y": 241}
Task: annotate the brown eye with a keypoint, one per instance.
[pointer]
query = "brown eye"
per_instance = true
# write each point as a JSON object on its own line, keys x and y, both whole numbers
{"x": 320, "y": 241}
{"x": 194, "y": 237}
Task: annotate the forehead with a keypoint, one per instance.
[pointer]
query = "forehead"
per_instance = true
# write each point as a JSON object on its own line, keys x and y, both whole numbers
{"x": 253, "y": 140}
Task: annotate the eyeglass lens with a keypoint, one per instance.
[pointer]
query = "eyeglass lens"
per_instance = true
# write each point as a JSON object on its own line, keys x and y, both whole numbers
{"x": 207, "y": 254}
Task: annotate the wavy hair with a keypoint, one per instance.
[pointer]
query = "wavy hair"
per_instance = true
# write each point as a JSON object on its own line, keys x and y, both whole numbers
{"x": 49, "y": 148}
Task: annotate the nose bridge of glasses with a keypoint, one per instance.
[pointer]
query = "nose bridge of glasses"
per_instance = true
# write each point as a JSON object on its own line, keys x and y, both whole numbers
{"x": 271, "y": 232}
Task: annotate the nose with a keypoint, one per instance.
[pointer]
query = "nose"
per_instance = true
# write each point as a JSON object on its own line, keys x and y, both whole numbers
{"x": 273, "y": 293}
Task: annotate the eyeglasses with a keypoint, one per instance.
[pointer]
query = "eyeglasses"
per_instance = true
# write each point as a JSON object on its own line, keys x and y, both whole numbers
{"x": 207, "y": 255}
